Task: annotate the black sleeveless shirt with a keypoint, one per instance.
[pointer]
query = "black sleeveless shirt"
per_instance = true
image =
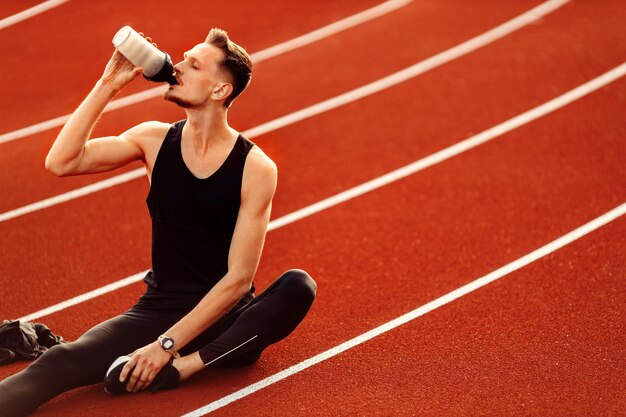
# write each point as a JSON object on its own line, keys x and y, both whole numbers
{"x": 193, "y": 219}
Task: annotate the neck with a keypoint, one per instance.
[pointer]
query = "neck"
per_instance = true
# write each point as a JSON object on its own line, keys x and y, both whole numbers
{"x": 207, "y": 128}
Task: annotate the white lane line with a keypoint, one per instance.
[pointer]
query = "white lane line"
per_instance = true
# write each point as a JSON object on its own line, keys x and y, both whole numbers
{"x": 414, "y": 70}
{"x": 28, "y": 13}
{"x": 329, "y": 30}
{"x": 85, "y": 297}
{"x": 388, "y": 178}
{"x": 420, "y": 311}
{"x": 455, "y": 149}
{"x": 271, "y": 52}
{"x": 74, "y": 194}
{"x": 379, "y": 85}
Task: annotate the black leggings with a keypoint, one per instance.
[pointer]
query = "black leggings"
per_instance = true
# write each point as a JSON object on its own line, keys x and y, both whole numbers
{"x": 237, "y": 339}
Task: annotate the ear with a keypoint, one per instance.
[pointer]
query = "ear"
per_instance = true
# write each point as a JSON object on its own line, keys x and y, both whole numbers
{"x": 222, "y": 91}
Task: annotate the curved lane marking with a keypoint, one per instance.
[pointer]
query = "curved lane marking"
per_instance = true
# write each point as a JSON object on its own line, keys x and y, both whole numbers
{"x": 30, "y": 12}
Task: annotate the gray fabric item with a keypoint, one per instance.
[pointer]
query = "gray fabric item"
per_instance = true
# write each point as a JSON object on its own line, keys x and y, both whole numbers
{"x": 25, "y": 340}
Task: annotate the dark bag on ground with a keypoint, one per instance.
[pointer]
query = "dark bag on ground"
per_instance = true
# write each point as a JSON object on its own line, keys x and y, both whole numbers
{"x": 25, "y": 340}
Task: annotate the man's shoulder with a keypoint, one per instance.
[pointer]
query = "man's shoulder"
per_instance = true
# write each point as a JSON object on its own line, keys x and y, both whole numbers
{"x": 149, "y": 130}
{"x": 260, "y": 175}
{"x": 259, "y": 162}
{"x": 148, "y": 136}
{"x": 260, "y": 178}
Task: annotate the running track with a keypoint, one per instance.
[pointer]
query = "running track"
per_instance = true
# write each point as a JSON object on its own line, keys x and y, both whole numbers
{"x": 545, "y": 339}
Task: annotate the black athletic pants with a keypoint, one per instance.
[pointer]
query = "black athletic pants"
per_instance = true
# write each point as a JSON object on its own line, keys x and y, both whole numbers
{"x": 237, "y": 339}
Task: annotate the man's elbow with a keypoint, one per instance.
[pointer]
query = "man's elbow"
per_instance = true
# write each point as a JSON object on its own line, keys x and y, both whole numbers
{"x": 243, "y": 283}
{"x": 58, "y": 167}
{"x": 55, "y": 168}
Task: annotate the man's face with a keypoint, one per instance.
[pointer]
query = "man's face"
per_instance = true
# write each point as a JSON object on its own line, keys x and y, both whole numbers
{"x": 199, "y": 76}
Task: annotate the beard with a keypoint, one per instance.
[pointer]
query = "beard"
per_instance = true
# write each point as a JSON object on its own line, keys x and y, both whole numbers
{"x": 169, "y": 95}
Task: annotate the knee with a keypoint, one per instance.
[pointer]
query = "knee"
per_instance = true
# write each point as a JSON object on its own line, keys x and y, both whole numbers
{"x": 60, "y": 357}
{"x": 56, "y": 353}
{"x": 301, "y": 284}
{"x": 69, "y": 360}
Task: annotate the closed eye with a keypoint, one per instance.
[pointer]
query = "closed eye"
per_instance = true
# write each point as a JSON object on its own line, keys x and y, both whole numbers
{"x": 194, "y": 61}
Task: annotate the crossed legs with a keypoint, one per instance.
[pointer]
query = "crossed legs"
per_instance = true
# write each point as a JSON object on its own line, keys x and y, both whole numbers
{"x": 237, "y": 339}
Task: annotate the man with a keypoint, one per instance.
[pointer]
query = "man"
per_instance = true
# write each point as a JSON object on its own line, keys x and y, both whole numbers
{"x": 210, "y": 200}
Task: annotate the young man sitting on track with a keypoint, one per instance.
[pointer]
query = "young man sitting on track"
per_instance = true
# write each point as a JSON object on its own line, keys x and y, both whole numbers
{"x": 210, "y": 200}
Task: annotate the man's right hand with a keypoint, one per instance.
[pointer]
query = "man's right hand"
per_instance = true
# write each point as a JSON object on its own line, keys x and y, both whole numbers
{"x": 119, "y": 72}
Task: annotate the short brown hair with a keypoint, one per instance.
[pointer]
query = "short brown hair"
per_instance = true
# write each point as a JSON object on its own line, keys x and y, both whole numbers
{"x": 236, "y": 61}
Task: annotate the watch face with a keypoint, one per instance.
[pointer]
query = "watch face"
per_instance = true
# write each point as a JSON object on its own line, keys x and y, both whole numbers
{"x": 167, "y": 343}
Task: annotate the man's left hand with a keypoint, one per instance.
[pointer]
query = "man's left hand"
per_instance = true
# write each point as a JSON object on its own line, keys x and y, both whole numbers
{"x": 147, "y": 362}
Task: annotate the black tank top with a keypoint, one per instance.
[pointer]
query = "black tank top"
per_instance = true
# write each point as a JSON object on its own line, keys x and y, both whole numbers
{"x": 193, "y": 219}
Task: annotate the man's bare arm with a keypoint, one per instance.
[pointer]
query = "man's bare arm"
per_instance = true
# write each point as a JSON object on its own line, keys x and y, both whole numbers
{"x": 73, "y": 153}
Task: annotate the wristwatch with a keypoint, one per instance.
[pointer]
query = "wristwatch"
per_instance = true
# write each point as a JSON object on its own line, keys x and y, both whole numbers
{"x": 169, "y": 345}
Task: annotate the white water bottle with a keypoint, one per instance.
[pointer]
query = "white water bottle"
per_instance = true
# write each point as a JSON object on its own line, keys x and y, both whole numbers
{"x": 157, "y": 65}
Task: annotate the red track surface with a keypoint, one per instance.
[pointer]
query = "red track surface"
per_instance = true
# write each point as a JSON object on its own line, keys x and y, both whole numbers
{"x": 547, "y": 339}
